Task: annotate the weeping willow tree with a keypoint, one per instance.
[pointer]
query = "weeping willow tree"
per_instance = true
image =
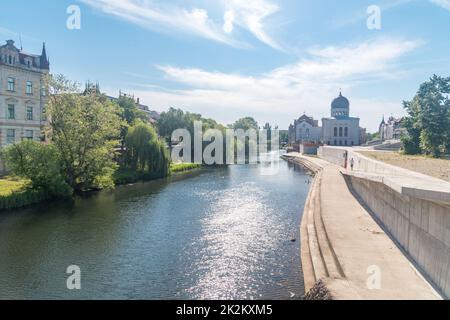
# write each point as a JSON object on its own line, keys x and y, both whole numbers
{"x": 145, "y": 152}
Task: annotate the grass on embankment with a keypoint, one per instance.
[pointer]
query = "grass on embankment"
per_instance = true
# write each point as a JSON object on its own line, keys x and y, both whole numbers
{"x": 438, "y": 168}
{"x": 183, "y": 167}
{"x": 128, "y": 176}
{"x": 15, "y": 193}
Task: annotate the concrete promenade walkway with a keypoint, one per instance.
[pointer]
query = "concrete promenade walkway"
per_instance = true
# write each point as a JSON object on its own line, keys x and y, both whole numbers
{"x": 343, "y": 246}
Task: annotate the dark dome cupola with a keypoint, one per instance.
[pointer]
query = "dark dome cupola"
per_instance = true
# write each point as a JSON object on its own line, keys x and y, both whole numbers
{"x": 340, "y": 107}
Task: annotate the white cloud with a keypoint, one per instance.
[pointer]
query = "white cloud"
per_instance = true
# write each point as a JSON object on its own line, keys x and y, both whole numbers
{"x": 442, "y": 3}
{"x": 250, "y": 14}
{"x": 163, "y": 17}
{"x": 288, "y": 91}
{"x": 228, "y": 19}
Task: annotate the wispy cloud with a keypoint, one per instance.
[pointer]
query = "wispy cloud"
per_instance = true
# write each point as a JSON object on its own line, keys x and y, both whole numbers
{"x": 442, "y": 3}
{"x": 308, "y": 84}
{"x": 162, "y": 17}
{"x": 250, "y": 14}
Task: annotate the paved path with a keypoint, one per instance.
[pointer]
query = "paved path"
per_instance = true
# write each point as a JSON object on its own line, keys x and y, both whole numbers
{"x": 352, "y": 247}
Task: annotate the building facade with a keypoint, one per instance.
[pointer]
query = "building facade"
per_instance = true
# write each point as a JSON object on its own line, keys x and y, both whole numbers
{"x": 338, "y": 130}
{"x": 341, "y": 129}
{"x": 305, "y": 129}
{"x": 22, "y": 97}
{"x": 392, "y": 129}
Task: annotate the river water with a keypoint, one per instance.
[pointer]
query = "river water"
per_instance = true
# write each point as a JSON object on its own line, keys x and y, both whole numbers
{"x": 213, "y": 234}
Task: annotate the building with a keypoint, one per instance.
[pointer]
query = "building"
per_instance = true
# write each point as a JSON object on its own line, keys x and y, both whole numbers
{"x": 392, "y": 129}
{"x": 22, "y": 97}
{"x": 339, "y": 130}
{"x": 305, "y": 129}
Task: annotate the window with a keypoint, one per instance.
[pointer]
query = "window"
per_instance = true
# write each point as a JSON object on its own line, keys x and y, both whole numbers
{"x": 11, "y": 84}
{"x": 10, "y": 136}
{"x": 43, "y": 91}
{"x": 11, "y": 111}
{"x": 29, "y": 134}
{"x": 29, "y": 113}
{"x": 335, "y": 142}
{"x": 29, "y": 87}
{"x": 340, "y": 132}
{"x": 346, "y": 132}
{"x": 10, "y": 60}
{"x": 335, "y": 132}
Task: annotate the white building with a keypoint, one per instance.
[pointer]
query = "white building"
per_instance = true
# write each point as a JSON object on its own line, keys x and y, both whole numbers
{"x": 305, "y": 129}
{"x": 338, "y": 130}
{"x": 392, "y": 129}
{"x": 22, "y": 100}
{"x": 341, "y": 129}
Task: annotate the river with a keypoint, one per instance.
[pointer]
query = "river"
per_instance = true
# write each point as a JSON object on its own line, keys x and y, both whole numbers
{"x": 212, "y": 234}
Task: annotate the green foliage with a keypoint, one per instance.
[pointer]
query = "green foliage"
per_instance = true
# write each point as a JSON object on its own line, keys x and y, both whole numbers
{"x": 145, "y": 151}
{"x": 372, "y": 136}
{"x": 38, "y": 163}
{"x": 246, "y": 124}
{"x": 428, "y": 124}
{"x": 22, "y": 198}
{"x": 10, "y": 185}
{"x": 130, "y": 111}
{"x": 85, "y": 130}
{"x": 182, "y": 167}
{"x": 178, "y": 119}
{"x": 411, "y": 141}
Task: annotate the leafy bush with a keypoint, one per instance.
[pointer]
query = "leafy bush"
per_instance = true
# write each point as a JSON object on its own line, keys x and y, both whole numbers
{"x": 38, "y": 163}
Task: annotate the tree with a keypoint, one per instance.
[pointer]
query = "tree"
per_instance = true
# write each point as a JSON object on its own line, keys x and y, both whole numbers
{"x": 145, "y": 151}
{"x": 85, "y": 130}
{"x": 428, "y": 124}
{"x": 246, "y": 124}
{"x": 130, "y": 113}
{"x": 38, "y": 163}
{"x": 170, "y": 121}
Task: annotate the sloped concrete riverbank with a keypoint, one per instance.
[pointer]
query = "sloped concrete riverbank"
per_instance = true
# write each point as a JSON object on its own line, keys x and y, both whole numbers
{"x": 343, "y": 248}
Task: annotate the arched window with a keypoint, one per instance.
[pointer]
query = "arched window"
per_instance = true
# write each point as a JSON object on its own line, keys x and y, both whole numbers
{"x": 335, "y": 132}
{"x": 340, "y": 132}
{"x": 346, "y": 131}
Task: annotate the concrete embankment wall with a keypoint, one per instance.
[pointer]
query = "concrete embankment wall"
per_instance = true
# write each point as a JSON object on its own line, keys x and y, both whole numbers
{"x": 412, "y": 207}
{"x": 419, "y": 226}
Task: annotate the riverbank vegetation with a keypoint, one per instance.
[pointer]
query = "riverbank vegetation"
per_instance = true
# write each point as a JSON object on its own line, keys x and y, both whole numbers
{"x": 94, "y": 142}
{"x": 88, "y": 139}
{"x": 428, "y": 121}
{"x": 16, "y": 193}
{"x": 183, "y": 167}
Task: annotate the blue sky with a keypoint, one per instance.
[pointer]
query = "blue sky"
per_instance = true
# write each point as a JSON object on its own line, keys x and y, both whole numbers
{"x": 271, "y": 59}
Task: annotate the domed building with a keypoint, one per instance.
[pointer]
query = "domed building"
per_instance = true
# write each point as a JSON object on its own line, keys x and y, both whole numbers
{"x": 338, "y": 130}
{"x": 341, "y": 129}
